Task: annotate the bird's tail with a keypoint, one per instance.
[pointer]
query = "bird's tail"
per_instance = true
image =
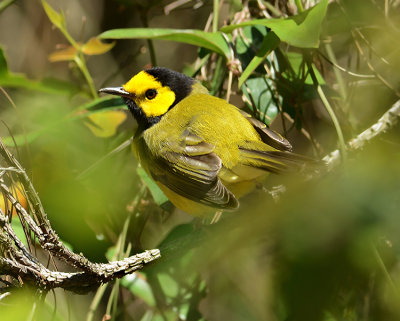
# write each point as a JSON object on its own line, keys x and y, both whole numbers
{"x": 275, "y": 161}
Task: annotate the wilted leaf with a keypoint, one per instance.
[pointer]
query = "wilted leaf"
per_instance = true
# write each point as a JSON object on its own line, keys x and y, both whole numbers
{"x": 104, "y": 124}
{"x": 67, "y": 54}
{"x": 17, "y": 191}
{"x": 302, "y": 30}
{"x": 96, "y": 47}
{"x": 213, "y": 41}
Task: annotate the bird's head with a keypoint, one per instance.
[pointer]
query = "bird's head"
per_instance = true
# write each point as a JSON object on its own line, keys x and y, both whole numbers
{"x": 152, "y": 92}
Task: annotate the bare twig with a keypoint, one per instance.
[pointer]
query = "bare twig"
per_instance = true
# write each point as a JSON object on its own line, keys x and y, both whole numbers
{"x": 78, "y": 281}
{"x": 372, "y": 68}
{"x": 386, "y": 122}
{"x": 173, "y": 5}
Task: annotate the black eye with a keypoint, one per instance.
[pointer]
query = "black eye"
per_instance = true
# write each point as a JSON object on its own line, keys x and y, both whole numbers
{"x": 151, "y": 94}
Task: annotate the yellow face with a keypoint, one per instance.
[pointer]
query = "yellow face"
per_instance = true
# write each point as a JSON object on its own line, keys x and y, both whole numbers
{"x": 149, "y": 94}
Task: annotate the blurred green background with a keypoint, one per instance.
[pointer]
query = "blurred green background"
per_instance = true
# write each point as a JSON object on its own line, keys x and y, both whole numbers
{"x": 328, "y": 249}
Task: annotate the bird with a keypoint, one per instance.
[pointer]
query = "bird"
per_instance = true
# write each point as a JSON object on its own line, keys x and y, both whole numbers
{"x": 203, "y": 152}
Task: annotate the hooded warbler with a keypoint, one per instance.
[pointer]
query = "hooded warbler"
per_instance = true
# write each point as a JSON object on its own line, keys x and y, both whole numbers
{"x": 203, "y": 152}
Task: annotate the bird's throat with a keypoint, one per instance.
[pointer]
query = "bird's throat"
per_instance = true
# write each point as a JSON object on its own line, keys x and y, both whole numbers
{"x": 144, "y": 122}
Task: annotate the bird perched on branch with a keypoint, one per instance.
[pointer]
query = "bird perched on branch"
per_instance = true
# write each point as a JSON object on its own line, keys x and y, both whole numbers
{"x": 202, "y": 151}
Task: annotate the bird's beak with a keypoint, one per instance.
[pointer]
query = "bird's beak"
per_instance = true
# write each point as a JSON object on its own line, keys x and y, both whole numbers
{"x": 118, "y": 91}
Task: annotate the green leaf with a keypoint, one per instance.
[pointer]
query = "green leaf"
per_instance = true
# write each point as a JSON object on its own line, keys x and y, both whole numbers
{"x": 270, "y": 42}
{"x": 21, "y": 139}
{"x": 213, "y": 41}
{"x": 259, "y": 91}
{"x": 158, "y": 195}
{"x": 249, "y": 42}
{"x": 83, "y": 111}
{"x": 302, "y": 30}
{"x": 138, "y": 286}
{"x": 19, "y": 230}
{"x": 297, "y": 63}
{"x": 169, "y": 286}
{"x": 102, "y": 103}
{"x": 3, "y": 64}
{"x": 47, "y": 85}
{"x": 56, "y": 18}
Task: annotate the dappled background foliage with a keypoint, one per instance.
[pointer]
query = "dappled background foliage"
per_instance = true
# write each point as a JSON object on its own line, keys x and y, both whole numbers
{"x": 319, "y": 72}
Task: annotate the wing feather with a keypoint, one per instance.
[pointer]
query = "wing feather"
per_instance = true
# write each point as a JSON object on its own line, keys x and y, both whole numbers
{"x": 191, "y": 169}
{"x": 267, "y": 135}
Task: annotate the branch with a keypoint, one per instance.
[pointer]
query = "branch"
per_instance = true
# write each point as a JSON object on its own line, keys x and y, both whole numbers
{"x": 388, "y": 120}
{"x": 46, "y": 236}
{"x": 79, "y": 282}
{"x": 18, "y": 262}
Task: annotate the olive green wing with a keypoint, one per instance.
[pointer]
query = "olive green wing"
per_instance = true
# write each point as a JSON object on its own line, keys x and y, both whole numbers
{"x": 267, "y": 135}
{"x": 276, "y": 156}
{"x": 190, "y": 168}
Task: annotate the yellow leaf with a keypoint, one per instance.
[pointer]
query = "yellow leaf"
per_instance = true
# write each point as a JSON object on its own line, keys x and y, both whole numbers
{"x": 16, "y": 191}
{"x": 96, "y": 47}
{"x": 105, "y": 124}
{"x": 66, "y": 54}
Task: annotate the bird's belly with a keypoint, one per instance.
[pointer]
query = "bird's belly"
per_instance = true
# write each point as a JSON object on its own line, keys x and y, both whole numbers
{"x": 241, "y": 179}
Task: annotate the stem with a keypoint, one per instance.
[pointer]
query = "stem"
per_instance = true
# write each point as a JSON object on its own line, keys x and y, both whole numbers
{"x": 329, "y": 109}
{"x": 80, "y": 61}
{"x": 70, "y": 39}
{"x": 119, "y": 253}
{"x": 215, "y": 16}
{"x": 272, "y": 8}
{"x": 5, "y": 4}
{"x": 335, "y": 121}
{"x": 152, "y": 52}
{"x": 110, "y": 304}
{"x": 218, "y": 76}
{"x": 338, "y": 75}
{"x": 299, "y": 5}
{"x": 150, "y": 44}
{"x": 229, "y": 89}
{"x": 385, "y": 271}
{"x": 96, "y": 301}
